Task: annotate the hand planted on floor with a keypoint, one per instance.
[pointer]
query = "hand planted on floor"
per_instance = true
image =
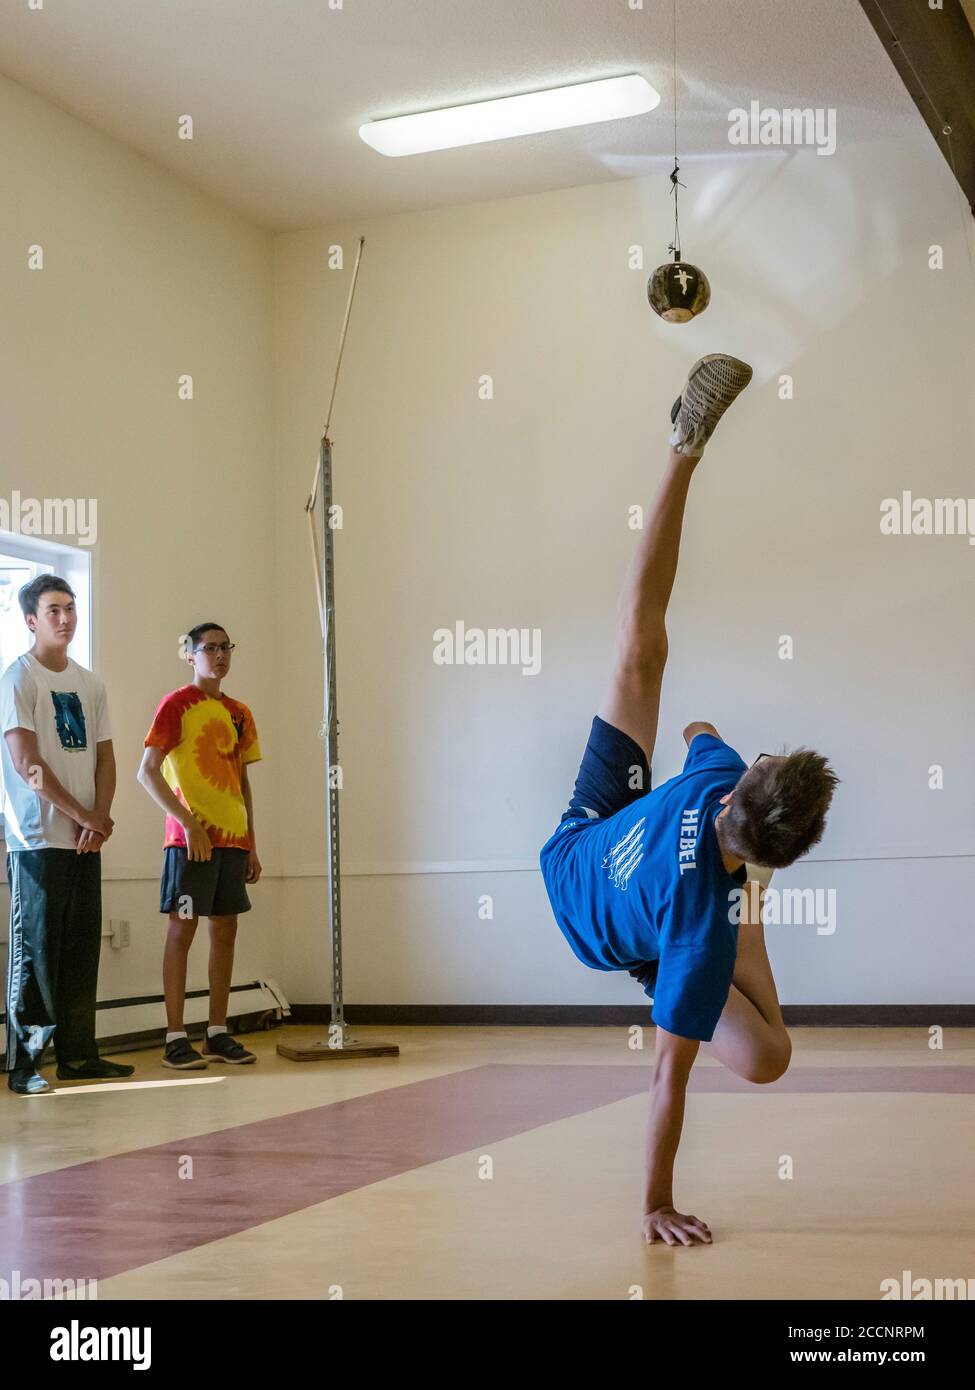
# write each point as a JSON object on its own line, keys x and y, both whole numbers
{"x": 674, "y": 1228}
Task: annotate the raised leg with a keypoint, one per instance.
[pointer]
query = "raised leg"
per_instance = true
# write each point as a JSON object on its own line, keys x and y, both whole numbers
{"x": 632, "y": 702}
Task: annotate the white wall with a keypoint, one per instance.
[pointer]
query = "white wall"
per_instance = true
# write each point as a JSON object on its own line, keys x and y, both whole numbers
{"x": 513, "y": 513}
{"x": 145, "y": 279}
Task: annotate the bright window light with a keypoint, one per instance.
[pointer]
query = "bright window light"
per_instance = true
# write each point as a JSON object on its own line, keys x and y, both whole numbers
{"x": 584, "y": 103}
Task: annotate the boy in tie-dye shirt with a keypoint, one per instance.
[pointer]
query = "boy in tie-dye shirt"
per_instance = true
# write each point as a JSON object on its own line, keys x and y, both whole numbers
{"x": 197, "y": 753}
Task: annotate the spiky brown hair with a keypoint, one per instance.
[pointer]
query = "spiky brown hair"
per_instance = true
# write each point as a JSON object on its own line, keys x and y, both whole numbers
{"x": 778, "y": 810}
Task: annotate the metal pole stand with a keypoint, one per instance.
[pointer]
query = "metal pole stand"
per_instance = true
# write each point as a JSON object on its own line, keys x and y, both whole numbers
{"x": 339, "y": 1044}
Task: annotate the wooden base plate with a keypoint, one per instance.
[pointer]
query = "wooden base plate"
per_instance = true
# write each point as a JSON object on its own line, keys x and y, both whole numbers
{"x": 321, "y": 1052}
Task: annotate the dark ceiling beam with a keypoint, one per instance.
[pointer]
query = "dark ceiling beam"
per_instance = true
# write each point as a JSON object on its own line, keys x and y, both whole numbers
{"x": 934, "y": 52}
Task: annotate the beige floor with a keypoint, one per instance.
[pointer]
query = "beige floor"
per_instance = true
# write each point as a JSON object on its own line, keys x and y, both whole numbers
{"x": 882, "y": 1183}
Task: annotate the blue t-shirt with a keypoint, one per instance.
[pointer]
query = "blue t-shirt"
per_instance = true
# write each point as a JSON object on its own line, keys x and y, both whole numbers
{"x": 649, "y": 884}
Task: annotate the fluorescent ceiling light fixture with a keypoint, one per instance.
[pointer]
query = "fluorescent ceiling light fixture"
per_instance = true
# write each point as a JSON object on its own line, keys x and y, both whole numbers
{"x": 584, "y": 103}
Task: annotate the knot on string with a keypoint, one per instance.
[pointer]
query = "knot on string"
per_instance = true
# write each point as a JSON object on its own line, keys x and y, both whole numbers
{"x": 675, "y": 183}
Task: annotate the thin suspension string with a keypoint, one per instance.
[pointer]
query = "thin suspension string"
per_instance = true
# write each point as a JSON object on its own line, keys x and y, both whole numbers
{"x": 675, "y": 81}
{"x": 675, "y": 182}
{"x": 907, "y": 59}
{"x": 945, "y": 131}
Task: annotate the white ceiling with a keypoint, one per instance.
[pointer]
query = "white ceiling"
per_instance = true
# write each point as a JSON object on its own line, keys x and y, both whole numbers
{"x": 278, "y": 88}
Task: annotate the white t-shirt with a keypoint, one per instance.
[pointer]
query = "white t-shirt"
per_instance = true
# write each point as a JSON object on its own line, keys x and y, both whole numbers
{"x": 68, "y": 711}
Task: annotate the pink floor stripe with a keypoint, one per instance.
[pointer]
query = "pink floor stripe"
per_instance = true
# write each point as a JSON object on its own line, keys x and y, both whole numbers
{"x": 93, "y": 1220}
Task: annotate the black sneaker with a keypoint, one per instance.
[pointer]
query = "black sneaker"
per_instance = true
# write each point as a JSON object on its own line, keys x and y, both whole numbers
{"x": 181, "y": 1057}
{"x": 93, "y": 1069}
{"x": 25, "y": 1081}
{"x": 223, "y": 1048}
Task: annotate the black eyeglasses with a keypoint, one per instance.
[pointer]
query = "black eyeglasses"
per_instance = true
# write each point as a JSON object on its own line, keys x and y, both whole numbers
{"x": 761, "y": 756}
{"x": 211, "y": 648}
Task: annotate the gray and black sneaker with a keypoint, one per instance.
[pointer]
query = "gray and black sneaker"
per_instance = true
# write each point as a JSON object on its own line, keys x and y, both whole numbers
{"x": 713, "y": 383}
{"x": 223, "y": 1048}
{"x": 181, "y": 1057}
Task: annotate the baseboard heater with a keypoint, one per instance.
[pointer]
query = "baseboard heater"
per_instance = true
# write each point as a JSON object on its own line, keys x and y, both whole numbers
{"x": 128, "y": 1025}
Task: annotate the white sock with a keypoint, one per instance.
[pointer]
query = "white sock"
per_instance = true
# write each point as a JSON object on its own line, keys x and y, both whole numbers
{"x": 171, "y": 1037}
{"x": 215, "y": 1029}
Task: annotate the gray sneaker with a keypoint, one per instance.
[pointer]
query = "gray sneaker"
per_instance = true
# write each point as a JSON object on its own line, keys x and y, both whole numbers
{"x": 713, "y": 383}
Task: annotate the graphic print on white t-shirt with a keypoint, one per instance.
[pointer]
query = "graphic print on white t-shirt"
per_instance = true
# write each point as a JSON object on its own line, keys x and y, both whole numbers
{"x": 69, "y": 719}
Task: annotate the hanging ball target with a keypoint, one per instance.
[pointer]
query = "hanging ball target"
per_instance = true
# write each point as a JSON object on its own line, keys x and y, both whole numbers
{"x": 678, "y": 291}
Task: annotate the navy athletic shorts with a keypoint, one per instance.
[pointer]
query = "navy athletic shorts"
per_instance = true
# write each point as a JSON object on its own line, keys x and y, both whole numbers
{"x": 198, "y": 888}
{"x": 614, "y": 771}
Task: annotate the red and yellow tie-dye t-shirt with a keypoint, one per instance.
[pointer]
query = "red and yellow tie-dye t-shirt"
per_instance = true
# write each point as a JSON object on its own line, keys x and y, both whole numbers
{"x": 207, "y": 739}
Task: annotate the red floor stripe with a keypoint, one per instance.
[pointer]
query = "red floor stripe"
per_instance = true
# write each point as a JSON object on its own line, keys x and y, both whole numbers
{"x": 94, "y": 1220}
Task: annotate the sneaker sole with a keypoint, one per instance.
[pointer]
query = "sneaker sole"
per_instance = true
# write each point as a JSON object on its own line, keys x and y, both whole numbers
{"x": 89, "y": 1080}
{"x": 741, "y": 369}
{"x": 735, "y": 363}
{"x": 229, "y": 1061}
{"x": 184, "y": 1066}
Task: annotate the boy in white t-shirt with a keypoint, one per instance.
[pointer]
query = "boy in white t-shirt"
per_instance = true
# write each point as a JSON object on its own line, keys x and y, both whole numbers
{"x": 59, "y": 781}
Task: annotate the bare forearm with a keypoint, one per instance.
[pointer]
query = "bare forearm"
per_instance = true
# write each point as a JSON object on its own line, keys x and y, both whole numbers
{"x": 42, "y": 780}
{"x": 164, "y": 797}
{"x": 249, "y": 803}
{"x": 105, "y": 779}
{"x": 663, "y": 1137}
